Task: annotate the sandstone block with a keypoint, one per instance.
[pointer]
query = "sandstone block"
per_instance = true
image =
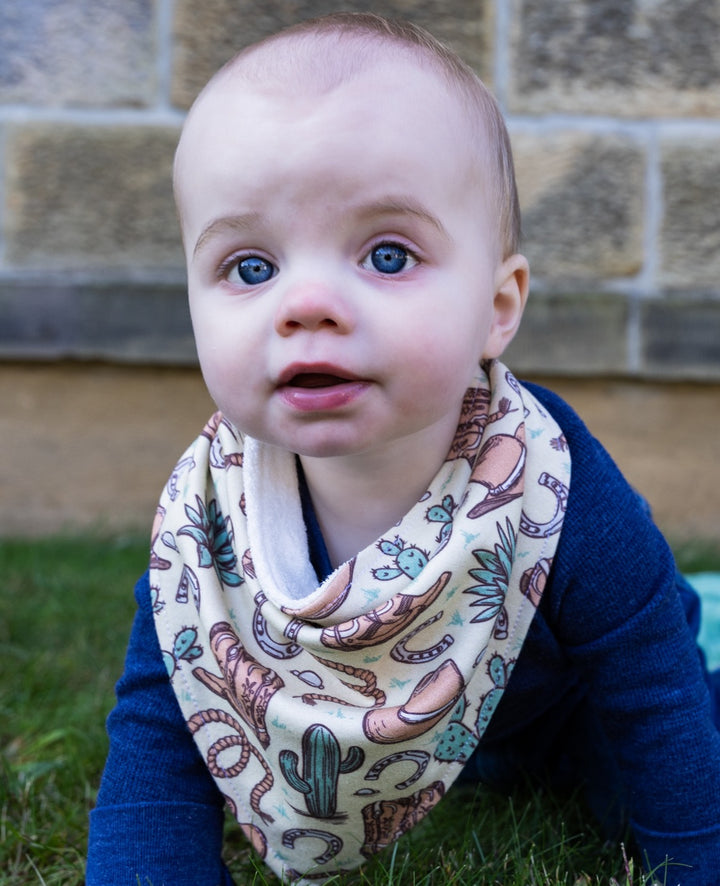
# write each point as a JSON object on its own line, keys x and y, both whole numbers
{"x": 582, "y": 199}
{"x": 91, "y": 197}
{"x": 572, "y": 334}
{"x": 209, "y": 32}
{"x": 681, "y": 337}
{"x": 77, "y": 52}
{"x": 690, "y": 232}
{"x": 620, "y": 57}
{"x": 115, "y": 321}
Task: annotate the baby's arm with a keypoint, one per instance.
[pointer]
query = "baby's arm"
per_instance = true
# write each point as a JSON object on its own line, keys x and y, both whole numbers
{"x": 159, "y": 815}
{"x": 651, "y": 700}
{"x": 620, "y": 619}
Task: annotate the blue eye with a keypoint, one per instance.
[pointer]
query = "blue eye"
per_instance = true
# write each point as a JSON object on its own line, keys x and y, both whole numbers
{"x": 389, "y": 258}
{"x": 253, "y": 270}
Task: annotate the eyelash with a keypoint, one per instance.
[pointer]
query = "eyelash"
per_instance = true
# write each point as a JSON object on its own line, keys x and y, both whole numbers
{"x": 393, "y": 241}
{"x": 232, "y": 261}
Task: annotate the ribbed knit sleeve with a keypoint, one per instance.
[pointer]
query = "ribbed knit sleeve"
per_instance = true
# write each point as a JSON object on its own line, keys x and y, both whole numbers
{"x": 616, "y": 612}
{"x": 159, "y": 815}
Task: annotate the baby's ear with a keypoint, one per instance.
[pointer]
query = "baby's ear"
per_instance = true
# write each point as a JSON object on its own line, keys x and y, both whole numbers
{"x": 512, "y": 282}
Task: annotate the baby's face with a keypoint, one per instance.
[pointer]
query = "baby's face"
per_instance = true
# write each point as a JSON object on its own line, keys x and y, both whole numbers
{"x": 341, "y": 259}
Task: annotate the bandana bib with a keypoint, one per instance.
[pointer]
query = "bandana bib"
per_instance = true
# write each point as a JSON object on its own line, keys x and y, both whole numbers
{"x": 334, "y": 717}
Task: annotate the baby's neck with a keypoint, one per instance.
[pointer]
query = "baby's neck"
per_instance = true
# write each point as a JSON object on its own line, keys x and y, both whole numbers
{"x": 357, "y": 500}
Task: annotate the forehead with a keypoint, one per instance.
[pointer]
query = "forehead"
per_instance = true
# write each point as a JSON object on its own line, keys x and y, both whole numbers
{"x": 280, "y": 144}
{"x": 341, "y": 102}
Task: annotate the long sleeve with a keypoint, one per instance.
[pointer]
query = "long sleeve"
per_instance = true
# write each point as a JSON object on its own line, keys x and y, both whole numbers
{"x": 159, "y": 815}
{"x": 616, "y": 612}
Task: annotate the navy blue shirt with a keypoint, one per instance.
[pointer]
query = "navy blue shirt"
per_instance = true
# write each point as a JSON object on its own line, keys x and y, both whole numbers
{"x": 610, "y": 689}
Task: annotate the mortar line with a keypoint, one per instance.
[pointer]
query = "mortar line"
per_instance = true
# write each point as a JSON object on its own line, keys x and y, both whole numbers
{"x": 633, "y": 339}
{"x": 638, "y": 126}
{"x": 653, "y": 211}
{"x": 164, "y": 54}
{"x": 4, "y": 202}
{"x": 500, "y": 67}
{"x": 91, "y": 116}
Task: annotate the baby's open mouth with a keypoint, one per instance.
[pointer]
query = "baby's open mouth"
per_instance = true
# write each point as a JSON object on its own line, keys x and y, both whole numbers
{"x": 320, "y": 388}
{"x": 316, "y": 380}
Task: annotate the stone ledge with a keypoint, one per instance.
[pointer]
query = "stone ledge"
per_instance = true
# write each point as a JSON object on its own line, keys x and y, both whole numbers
{"x": 564, "y": 334}
{"x": 572, "y": 334}
{"x": 89, "y": 447}
{"x": 680, "y": 338}
{"x": 122, "y": 322}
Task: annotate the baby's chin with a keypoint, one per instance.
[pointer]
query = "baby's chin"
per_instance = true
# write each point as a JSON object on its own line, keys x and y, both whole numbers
{"x": 330, "y": 449}
{"x": 311, "y": 443}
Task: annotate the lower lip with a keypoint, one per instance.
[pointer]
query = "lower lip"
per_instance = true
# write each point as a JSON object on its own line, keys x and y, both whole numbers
{"x": 327, "y": 399}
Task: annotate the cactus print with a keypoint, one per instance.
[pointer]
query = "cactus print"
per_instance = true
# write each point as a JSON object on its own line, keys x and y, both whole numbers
{"x": 335, "y": 716}
{"x": 322, "y": 767}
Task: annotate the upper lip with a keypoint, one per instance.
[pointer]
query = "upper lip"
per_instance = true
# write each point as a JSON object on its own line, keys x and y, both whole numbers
{"x": 295, "y": 373}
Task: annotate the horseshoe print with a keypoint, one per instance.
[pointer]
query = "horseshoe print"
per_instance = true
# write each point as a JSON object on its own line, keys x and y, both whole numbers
{"x": 334, "y": 843}
{"x": 419, "y": 758}
{"x": 553, "y": 525}
{"x": 401, "y": 654}
{"x": 173, "y": 485}
{"x": 263, "y": 638}
{"x": 293, "y": 628}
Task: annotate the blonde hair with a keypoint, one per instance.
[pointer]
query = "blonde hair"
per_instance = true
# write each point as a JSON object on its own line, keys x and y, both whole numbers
{"x": 372, "y": 32}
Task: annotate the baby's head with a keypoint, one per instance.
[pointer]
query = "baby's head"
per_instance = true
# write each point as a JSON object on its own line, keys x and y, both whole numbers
{"x": 350, "y": 220}
{"x": 321, "y": 54}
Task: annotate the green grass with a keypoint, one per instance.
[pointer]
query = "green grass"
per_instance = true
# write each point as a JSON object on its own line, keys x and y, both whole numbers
{"x": 474, "y": 837}
{"x": 697, "y": 556}
{"x": 65, "y": 612}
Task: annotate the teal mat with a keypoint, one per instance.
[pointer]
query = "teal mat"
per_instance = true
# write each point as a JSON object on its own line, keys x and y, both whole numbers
{"x": 707, "y": 584}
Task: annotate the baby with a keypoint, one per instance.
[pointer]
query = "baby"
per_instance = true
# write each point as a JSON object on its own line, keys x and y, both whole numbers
{"x": 384, "y": 564}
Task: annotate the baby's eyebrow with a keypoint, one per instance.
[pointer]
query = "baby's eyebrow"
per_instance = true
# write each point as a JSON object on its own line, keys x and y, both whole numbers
{"x": 233, "y": 223}
{"x": 390, "y": 205}
{"x": 395, "y": 205}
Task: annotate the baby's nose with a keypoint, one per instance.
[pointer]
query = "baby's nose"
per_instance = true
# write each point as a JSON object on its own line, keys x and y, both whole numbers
{"x": 312, "y": 305}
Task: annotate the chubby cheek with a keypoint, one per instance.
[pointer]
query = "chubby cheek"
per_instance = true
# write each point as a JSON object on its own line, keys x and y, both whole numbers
{"x": 210, "y": 350}
{"x": 445, "y": 354}
{"x": 216, "y": 375}
{"x": 230, "y": 389}
{"x": 228, "y": 364}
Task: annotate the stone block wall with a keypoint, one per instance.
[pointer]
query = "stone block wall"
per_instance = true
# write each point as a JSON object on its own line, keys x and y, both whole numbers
{"x": 614, "y": 111}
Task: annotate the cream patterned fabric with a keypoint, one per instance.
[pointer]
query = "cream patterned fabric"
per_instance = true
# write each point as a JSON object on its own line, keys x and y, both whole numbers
{"x": 334, "y": 717}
